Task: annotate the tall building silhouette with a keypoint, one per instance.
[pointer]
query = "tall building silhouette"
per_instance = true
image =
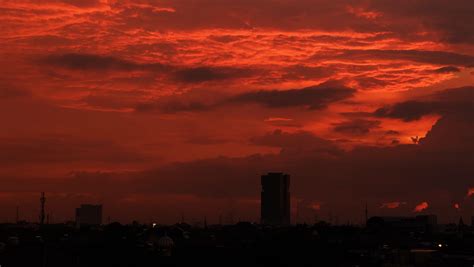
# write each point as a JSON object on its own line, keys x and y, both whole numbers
{"x": 89, "y": 215}
{"x": 275, "y": 199}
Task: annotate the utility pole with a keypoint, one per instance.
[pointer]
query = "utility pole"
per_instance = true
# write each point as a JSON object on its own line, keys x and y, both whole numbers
{"x": 296, "y": 212}
{"x": 366, "y": 213}
{"x": 231, "y": 217}
{"x": 42, "y": 201}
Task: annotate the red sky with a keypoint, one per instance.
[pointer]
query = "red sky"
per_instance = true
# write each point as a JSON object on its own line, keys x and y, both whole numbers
{"x": 158, "y": 108}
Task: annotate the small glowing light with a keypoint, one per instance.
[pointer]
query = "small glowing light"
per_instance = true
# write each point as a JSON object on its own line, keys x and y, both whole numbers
{"x": 440, "y": 245}
{"x": 153, "y": 225}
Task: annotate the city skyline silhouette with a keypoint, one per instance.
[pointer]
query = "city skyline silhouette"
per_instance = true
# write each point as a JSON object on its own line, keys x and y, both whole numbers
{"x": 133, "y": 113}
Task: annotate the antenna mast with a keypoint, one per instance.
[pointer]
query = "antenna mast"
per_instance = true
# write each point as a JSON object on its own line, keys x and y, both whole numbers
{"x": 42, "y": 201}
{"x": 366, "y": 213}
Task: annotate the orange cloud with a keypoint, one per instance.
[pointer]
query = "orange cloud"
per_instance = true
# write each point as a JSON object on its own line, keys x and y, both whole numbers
{"x": 470, "y": 192}
{"x": 316, "y": 206}
{"x": 392, "y": 205}
{"x": 362, "y": 13}
{"x": 421, "y": 207}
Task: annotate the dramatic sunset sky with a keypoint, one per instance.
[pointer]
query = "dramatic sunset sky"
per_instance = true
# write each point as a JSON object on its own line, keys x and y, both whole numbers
{"x": 164, "y": 108}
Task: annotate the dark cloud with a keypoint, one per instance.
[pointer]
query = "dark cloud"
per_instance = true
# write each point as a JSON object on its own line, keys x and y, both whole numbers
{"x": 431, "y": 57}
{"x": 408, "y": 111}
{"x": 371, "y": 82}
{"x": 448, "y": 69}
{"x": 63, "y": 149}
{"x": 92, "y": 62}
{"x": 356, "y": 127}
{"x": 456, "y": 95}
{"x": 208, "y": 74}
{"x": 190, "y": 101}
{"x": 299, "y": 141}
{"x": 315, "y": 97}
{"x": 206, "y": 140}
{"x": 8, "y": 91}
{"x": 392, "y": 132}
{"x": 452, "y": 133}
{"x": 172, "y": 106}
{"x": 284, "y": 122}
{"x": 48, "y": 40}
{"x": 302, "y": 72}
{"x": 457, "y": 101}
{"x": 114, "y": 100}
{"x": 82, "y": 3}
{"x": 448, "y": 21}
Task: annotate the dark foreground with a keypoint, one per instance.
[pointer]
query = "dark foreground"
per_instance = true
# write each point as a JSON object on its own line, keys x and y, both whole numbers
{"x": 243, "y": 244}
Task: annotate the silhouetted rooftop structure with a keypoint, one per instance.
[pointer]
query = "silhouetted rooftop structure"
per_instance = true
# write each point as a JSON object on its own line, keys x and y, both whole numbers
{"x": 420, "y": 223}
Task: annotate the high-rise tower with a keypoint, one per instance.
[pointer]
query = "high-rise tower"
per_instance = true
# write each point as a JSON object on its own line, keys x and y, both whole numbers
{"x": 275, "y": 199}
